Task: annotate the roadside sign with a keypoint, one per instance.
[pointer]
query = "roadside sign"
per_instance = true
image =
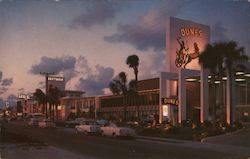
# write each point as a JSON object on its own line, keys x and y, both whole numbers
{"x": 171, "y": 101}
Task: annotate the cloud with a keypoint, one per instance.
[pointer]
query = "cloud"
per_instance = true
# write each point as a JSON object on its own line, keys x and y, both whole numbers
{"x": 149, "y": 32}
{"x": 82, "y": 65}
{"x": 1, "y": 75}
{"x": 77, "y": 72}
{"x": 219, "y": 33}
{"x": 21, "y": 89}
{"x": 151, "y": 65}
{"x": 64, "y": 65}
{"x": 12, "y": 99}
{"x": 3, "y": 90}
{"x": 96, "y": 81}
{"x": 41, "y": 85}
{"x": 98, "y": 13}
{"x": 1, "y": 103}
{"x": 138, "y": 36}
{"x": 7, "y": 82}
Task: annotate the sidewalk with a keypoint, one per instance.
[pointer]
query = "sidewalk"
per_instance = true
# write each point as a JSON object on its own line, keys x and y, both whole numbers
{"x": 225, "y": 148}
{"x": 165, "y": 139}
{"x": 213, "y": 138}
{"x": 240, "y": 135}
{"x": 238, "y": 138}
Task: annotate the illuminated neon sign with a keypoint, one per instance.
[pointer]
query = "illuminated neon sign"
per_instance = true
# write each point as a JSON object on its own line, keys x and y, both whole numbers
{"x": 55, "y": 79}
{"x": 23, "y": 96}
{"x": 191, "y": 32}
{"x": 165, "y": 110}
{"x": 171, "y": 101}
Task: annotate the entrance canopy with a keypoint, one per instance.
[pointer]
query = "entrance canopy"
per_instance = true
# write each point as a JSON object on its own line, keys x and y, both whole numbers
{"x": 168, "y": 88}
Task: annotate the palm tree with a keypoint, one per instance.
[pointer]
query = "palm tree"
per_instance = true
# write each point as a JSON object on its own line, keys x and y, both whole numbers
{"x": 57, "y": 94}
{"x": 54, "y": 99}
{"x": 41, "y": 98}
{"x": 114, "y": 87}
{"x": 233, "y": 55}
{"x": 118, "y": 86}
{"x": 133, "y": 62}
{"x": 123, "y": 82}
{"x": 132, "y": 87}
{"x": 132, "y": 92}
{"x": 212, "y": 59}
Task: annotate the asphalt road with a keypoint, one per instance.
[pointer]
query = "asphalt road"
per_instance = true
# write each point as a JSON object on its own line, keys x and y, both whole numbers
{"x": 102, "y": 147}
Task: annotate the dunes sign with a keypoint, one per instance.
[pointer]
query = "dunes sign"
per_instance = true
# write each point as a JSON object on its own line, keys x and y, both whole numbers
{"x": 185, "y": 40}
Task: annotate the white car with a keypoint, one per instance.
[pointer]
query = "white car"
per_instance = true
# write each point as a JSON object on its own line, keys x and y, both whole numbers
{"x": 46, "y": 123}
{"x": 88, "y": 128}
{"x": 34, "y": 121}
{"x": 115, "y": 130}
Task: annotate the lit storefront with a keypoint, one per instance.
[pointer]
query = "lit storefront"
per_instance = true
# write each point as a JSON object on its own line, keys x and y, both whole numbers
{"x": 139, "y": 106}
{"x": 27, "y": 105}
{"x": 72, "y": 107}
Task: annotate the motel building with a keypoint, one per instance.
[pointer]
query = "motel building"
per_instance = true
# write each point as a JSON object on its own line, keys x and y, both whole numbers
{"x": 182, "y": 91}
{"x": 27, "y": 105}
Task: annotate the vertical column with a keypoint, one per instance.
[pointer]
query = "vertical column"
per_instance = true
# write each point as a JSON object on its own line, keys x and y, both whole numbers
{"x": 169, "y": 88}
{"x": 230, "y": 99}
{"x": 162, "y": 94}
{"x": 204, "y": 95}
{"x": 182, "y": 96}
{"x": 172, "y": 91}
{"x": 246, "y": 95}
{"x": 233, "y": 103}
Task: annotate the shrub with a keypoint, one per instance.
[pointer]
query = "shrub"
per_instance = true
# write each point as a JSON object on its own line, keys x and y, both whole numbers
{"x": 150, "y": 131}
{"x": 230, "y": 128}
{"x": 186, "y": 123}
{"x": 207, "y": 124}
{"x": 245, "y": 118}
{"x": 238, "y": 125}
{"x": 172, "y": 129}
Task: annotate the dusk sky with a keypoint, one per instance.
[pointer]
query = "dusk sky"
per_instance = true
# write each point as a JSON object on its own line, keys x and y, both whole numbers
{"x": 88, "y": 41}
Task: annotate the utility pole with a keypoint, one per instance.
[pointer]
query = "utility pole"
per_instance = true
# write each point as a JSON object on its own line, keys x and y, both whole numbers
{"x": 46, "y": 74}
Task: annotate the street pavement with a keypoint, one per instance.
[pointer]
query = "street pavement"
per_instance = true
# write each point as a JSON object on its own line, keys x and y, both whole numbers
{"x": 146, "y": 148}
{"x": 240, "y": 138}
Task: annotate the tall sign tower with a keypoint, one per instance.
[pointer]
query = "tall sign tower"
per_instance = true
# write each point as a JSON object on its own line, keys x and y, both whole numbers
{"x": 185, "y": 40}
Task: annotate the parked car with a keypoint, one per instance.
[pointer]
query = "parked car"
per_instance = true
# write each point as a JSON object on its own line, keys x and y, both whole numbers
{"x": 71, "y": 124}
{"x": 132, "y": 124}
{"x": 34, "y": 121}
{"x": 88, "y": 127}
{"x": 74, "y": 123}
{"x": 102, "y": 122}
{"x": 46, "y": 123}
{"x": 116, "y": 130}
